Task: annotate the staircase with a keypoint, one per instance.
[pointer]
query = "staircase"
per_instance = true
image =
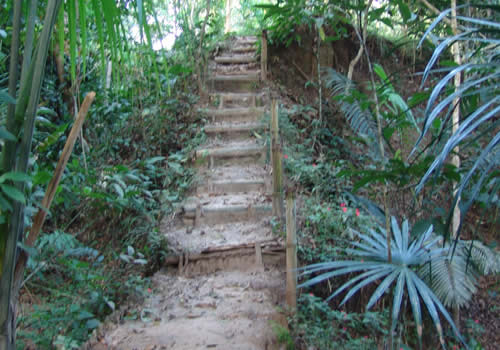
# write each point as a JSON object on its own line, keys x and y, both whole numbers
{"x": 229, "y": 278}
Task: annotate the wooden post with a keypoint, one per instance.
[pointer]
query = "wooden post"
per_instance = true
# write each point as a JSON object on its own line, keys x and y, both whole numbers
{"x": 263, "y": 56}
{"x": 291, "y": 252}
{"x": 276, "y": 159}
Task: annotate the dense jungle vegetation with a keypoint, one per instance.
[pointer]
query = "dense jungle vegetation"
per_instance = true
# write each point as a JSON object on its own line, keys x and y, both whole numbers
{"x": 391, "y": 138}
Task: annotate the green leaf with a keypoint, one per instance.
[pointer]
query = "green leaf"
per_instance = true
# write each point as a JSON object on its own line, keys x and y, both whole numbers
{"x": 14, "y": 176}
{"x": 84, "y": 315}
{"x": 72, "y": 38}
{"x": 13, "y": 193}
{"x": 82, "y": 12}
{"x": 4, "y": 204}
{"x": 404, "y": 10}
{"x": 6, "y": 135}
{"x": 322, "y": 33}
{"x": 52, "y": 138}
{"x": 92, "y": 324}
{"x": 118, "y": 190}
{"x": 5, "y": 97}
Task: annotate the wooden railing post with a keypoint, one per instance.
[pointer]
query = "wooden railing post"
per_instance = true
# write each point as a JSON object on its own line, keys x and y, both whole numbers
{"x": 291, "y": 252}
{"x": 263, "y": 57}
{"x": 276, "y": 160}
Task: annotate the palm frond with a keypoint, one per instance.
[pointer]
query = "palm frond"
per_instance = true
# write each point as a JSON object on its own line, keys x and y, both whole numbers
{"x": 450, "y": 281}
{"x": 453, "y": 276}
{"x": 479, "y": 103}
{"x": 360, "y": 120}
{"x": 485, "y": 259}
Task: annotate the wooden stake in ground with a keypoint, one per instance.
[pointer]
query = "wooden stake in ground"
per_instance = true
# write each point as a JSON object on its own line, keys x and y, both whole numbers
{"x": 52, "y": 187}
{"x": 276, "y": 156}
{"x": 263, "y": 56}
{"x": 291, "y": 253}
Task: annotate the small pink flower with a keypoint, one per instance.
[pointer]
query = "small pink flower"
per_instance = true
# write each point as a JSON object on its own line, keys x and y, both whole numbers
{"x": 342, "y": 205}
{"x": 314, "y": 165}
{"x": 477, "y": 321}
{"x": 344, "y": 329}
{"x": 150, "y": 290}
{"x": 285, "y": 156}
{"x": 362, "y": 260}
{"x": 344, "y": 209}
{"x": 311, "y": 294}
{"x": 454, "y": 347}
{"x": 357, "y": 212}
{"x": 366, "y": 337}
{"x": 328, "y": 208}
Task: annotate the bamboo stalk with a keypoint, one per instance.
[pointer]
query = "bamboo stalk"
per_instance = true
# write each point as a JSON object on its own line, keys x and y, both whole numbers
{"x": 291, "y": 253}
{"x": 263, "y": 56}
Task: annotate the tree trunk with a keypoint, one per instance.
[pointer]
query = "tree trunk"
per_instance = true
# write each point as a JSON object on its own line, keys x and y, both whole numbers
{"x": 455, "y": 158}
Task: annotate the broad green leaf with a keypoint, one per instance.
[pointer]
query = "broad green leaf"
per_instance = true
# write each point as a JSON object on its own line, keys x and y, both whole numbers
{"x": 4, "y": 204}
{"x": 13, "y": 193}
{"x": 14, "y": 176}
{"x": 92, "y": 324}
{"x": 404, "y": 10}
{"x": 6, "y": 135}
{"x": 5, "y": 97}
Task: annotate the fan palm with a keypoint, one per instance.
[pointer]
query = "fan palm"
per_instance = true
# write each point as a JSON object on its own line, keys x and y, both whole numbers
{"x": 371, "y": 261}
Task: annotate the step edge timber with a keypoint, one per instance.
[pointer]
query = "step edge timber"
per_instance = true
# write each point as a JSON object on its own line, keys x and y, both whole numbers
{"x": 268, "y": 246}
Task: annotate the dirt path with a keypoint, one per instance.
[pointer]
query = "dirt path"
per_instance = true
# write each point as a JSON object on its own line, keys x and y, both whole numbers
{"x": 225, "y": 284}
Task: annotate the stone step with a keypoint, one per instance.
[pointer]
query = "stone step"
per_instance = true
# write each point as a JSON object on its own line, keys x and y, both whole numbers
{"x": 235, "y": 82}
{"x": 228, "y": 99}
{"x": 234, "y": 132}
{"x": 218, "y": 237}
{"x": 211, "y": 214}
{"x": 234, "y": 114}
{"x": 234, "y": 186}
{"x": 230, "y": 155}
{"x": 247, "y": 39}
{"x": 244, "y": 49}
{"x": 235, "y": 59}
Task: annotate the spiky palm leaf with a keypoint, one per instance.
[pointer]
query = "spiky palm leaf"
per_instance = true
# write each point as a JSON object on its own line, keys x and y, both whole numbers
{"x": 372, "y": 264}
{"x": 480, "y": 87}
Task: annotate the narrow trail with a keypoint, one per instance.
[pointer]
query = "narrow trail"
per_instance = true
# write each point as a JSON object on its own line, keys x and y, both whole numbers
{"x": 227, "y": 281}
